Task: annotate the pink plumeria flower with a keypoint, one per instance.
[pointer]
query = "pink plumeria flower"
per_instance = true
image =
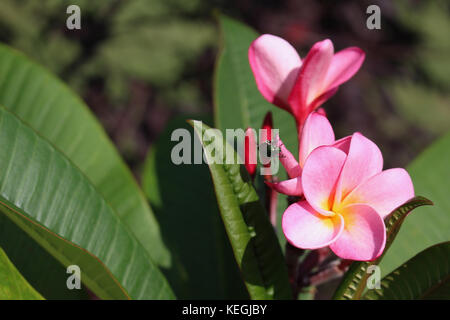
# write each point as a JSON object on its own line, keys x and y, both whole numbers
{"x": 317, "y": 132}
{"x": 347, "y": 196}
{"x": 300, "y": 86}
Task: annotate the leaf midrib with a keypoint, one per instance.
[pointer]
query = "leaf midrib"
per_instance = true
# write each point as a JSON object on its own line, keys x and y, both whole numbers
{"x": 254, "y": 249}
{"x": 22, "y": 216}
{"x": 435, "y": 286}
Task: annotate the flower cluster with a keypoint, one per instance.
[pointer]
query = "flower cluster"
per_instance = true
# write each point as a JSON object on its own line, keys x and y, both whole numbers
{"x": 343, "y": 192}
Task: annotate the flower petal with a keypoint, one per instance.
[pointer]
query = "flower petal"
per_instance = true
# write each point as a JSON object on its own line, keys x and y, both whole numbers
{"x": 383, "y": 192}
{"x": 307, "y": 229}
{"x": 364, "y": 160}
{"x": 364, "y": 234}
{"x": 310, "y": 81}
{"x": 291, "y": 187}
{"x": 321, "y": 111}
{"x": 317, "y": 132}
{"x": 343, "y": 144}
{"x": 344, "y": 65}
{"x": 275, "y": 65}
{"x": 288, "y": 161}
{"x": 320, "y": 175}
{"x": 317, "y": 102}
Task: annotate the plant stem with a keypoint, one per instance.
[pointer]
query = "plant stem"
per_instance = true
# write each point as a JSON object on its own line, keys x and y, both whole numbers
{"x": 292, "y": 256}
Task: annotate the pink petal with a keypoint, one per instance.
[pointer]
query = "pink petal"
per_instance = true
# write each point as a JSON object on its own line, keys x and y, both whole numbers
{"x": 364, "y": 160}
{"x": 317, "y": 131}
{"x": 288, "y": 161}
{"x": 310, "y": 81}
{"x": 275, "y": 65}
{"x": 307, "y": 229}
{"x": 291, "y": 187}
{"x": 344, "y": 65}
{"x": 384, "y": 192}
{"x": 364, "y": 234}
{"x": 343, "y": 144}
{"x": 322, "y": 98}
{"x": 320, "y": 175}
{"x": 321, "y": 111}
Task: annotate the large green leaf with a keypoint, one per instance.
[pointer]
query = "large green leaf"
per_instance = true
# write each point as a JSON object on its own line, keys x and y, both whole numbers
{"x": 428, "y": 226}
{"x": 12, "y": 285}
{"x": 426, "y": 276}
{"x": 50, "y": 199}
{"x": 254, "y": 242}
{"x": 183, "y": 199}
{"x": 354, "y": 281}
{"x": 56, "y": 113}
{"x": 237, "y": 101}
{"x": 38, "y": 266}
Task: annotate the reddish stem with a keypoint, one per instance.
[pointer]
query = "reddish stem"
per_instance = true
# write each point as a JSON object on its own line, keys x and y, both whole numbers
{"x": 271, "y": 204}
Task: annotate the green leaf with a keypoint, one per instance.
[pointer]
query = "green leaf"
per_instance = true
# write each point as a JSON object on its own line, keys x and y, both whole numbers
{"x": 183, "y": 199}
{"x": 354, "y": 281}
{"x": 38, "y": 266}
{"x": 57, "y": 114}
{"x": 428, "y": 226}
{"x": 13, "y": 285}
{"x": 55, "y": 204}
{"x": 426, "y": 276}
{"x": 254, "y": 242}
{"x": 237, "y": 101}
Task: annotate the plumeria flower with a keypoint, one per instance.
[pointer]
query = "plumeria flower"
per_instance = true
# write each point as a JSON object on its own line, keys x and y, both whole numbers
{"x": 317, "y": 132}
{"x": 347, "y": 196}
{"x": 300, "y": 86}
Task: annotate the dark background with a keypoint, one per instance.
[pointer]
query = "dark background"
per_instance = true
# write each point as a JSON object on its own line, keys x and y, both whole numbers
{"x": 139, "y": 63}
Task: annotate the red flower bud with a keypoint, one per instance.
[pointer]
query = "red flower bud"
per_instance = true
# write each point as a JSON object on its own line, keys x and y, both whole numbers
{"x": 250, "y": 152}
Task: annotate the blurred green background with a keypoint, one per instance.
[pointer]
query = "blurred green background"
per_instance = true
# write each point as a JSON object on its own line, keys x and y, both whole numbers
{"x": 139, "y": 63}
